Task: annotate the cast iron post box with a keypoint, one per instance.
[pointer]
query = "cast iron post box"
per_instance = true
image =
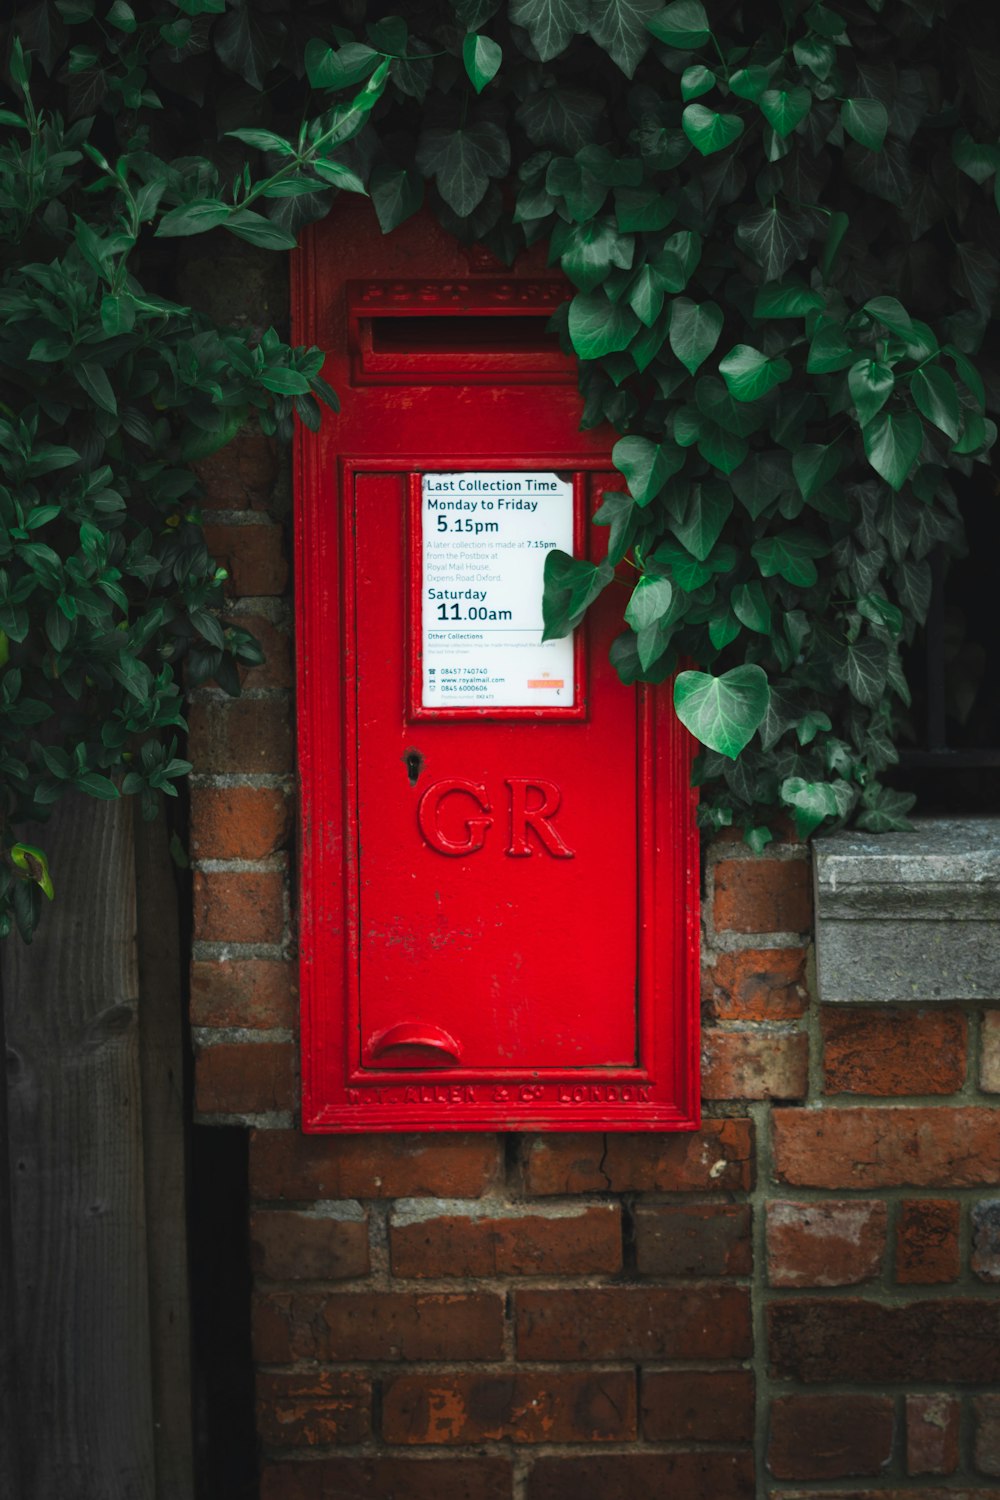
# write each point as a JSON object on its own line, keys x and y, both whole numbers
{"x": 499, "y": 913}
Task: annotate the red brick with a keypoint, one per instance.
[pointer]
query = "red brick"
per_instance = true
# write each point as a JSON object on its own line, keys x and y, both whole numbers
{"x": 287, "y": 1246}
{"x": 701, "y": 1406}
{"x": 238, "y": 822}
{"x": 239, "y": 906}
{"x": 754, "y": 1065}
{"x": 927, "y": 1249}
{"x": 290, "y": 1326}
{"x": 932, "y": 1434}
{"x": 985, "y": 1260}
{"x": 503, "y": 1240}
{"x": 871, "y": 1147}
{"x": 240, "y": 475}
{"x": 893, "y": 1050}
{"x": 681, "y": 1239}
{"x": 829, "y": 1437}
{"x": 951, "y": 1342}
{"x": 285, "y": 1165}
{"x": 628, "y": 1476}
{"x": 249, "y": 735}
{"x": 633, "y": 1323}
{"x": 718, "y": 1156}
{"x": 250, "y": 992}
{"x": 324, "y": 1407}
{"x": 825, "y": 1244}
{"x": 989, "y": 1061}
{"x": 986, "y": 1417}
{"x": 881, "y": 1494}
{"x": 253, "y": 555}
{"x": 275, "y": 671}
{"x": 248, "y": 1078}
{"x": 756, "y": 984}
{"x": 585, "y": 1406}
{"x": 762, "y": 895}
{"x": 389, "y": 1478}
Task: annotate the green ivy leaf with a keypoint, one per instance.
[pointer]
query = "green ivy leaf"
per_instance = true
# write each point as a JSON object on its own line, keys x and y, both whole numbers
{"x": 598, "y": 326}
{"x": 829, "y": 350}
{"x": 935, "y": 396}
{"x": 814, "y": 466}
{"x": 866, "y": 669}
{"x": 788, "y": 300}
{"x": 647, "y": 466}
{"x": 837, "y": 226}
{"x": 651, "y": 600}
{"x": 814, "y": 801}
{"x": 620, "y": 513}
{"x": 678, "y": 260}
{"x": 866, "y": 121}
{"x": 750, "y": 606}
{"x": 397, "y": 193}
{"x": 482, "y": 58}
{"x": 892, "y": 442}
{"x": 724, "y": 712}
{"x": 642, "y": 208}
{"x": 718, "y": 446}
{"x": 709, "y": 131}
{"x": 749, "y": 83}
{"x": 646, "y": 295}
{"x": 708, "y": 508}
{"x": 571, "y": 584}
{"x": 340, "y": 67}
{"x": 551, "y": 24}
{"x": 790, "y": 554}
{"x": 749, "y": 374}
{"x": 784, "y": 109}
{"x": 619, "y": 27}
{"x": 694, "y": 330}
{"x": 871, "y": 384}
{"x": 682, "y": 24}
{"x": 774, "y": 239}
{"x": 590, "y": 250}
{"x": 462, "y": 161}
{"x": 697, "y": 80}
{"x": 891, "y": 312}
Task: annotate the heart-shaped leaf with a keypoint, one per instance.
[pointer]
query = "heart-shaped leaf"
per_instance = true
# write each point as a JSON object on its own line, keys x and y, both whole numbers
{"x": 723, "y": 712}
{"x": 871, "y": 384}
{"x": 748, "y": 373}
{"x": 694, "y": 330}
{"x": 866, "y": 121}
{"x": 892, "y": 442}
{"x": 647, "y": 466}
{"x": 783, "y": 109}
{"x": 708, "y": 131}
{"x": 682, "y": 24}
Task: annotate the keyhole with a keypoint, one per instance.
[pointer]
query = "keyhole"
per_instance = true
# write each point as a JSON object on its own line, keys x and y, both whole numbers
{"x": 414, "y": 762}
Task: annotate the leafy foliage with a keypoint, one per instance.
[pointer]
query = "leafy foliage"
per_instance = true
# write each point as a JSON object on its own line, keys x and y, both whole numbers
{"x": 780, "y": 226}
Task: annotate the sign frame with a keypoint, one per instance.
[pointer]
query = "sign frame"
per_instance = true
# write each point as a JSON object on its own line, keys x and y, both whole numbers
{"x": 418, "y": 712}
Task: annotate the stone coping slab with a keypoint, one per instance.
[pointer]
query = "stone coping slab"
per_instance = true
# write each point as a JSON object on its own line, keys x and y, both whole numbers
{"x": 909, "y": 916}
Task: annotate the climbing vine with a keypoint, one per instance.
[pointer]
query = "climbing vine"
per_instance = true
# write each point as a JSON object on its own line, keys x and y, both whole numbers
{"x": 780, "y": 225}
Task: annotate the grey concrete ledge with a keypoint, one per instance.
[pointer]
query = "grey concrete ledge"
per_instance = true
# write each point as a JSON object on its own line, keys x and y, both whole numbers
{"x": 909, "y": 916}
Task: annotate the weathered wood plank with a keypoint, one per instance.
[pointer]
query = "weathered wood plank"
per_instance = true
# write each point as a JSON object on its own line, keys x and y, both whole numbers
{"x": 76, "y": 1148}
{"x": 10, "y": 1426}
{"x": 161, "y": 1053}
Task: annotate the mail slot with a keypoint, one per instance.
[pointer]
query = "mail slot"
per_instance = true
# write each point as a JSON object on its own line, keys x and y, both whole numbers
{"x": 498, "y": 878}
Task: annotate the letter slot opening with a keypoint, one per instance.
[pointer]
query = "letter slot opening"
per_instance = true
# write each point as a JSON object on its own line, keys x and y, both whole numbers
{"x": 456, "y": 333}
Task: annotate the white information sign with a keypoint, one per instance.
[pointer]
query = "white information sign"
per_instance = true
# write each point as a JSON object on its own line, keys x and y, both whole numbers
{"x": 485, "y": 537}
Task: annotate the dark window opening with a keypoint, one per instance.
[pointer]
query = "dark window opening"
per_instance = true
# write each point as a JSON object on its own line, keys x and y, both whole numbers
{"x": 950, "y": 753}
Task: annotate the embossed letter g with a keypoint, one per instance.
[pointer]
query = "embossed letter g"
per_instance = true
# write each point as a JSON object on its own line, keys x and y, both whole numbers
{"x": 428, "y": 817}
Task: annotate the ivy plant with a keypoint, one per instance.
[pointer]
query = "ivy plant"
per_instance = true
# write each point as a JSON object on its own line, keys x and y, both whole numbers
{"x": 779, "y": 227}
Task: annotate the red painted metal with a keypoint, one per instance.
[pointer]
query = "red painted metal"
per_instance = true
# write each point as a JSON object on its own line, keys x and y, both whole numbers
{"x": 499, "y": 906}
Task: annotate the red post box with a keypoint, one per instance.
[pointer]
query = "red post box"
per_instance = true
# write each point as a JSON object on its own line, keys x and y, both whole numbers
{"x": 499, "y": 905}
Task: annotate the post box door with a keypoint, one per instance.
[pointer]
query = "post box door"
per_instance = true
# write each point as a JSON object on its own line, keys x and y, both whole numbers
{"x": 482, "y": 842}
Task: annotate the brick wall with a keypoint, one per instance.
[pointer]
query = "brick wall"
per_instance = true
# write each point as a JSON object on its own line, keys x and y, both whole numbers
{"x": 800, "y": 1299}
